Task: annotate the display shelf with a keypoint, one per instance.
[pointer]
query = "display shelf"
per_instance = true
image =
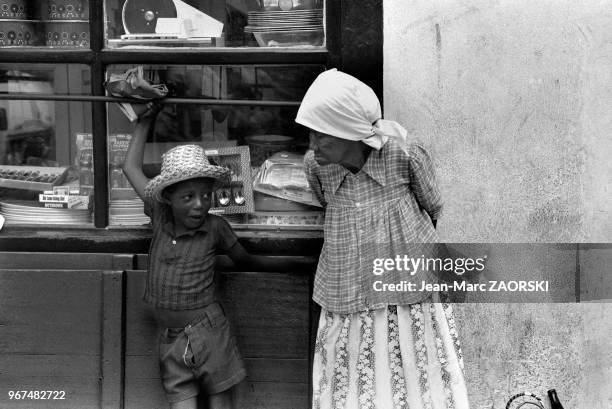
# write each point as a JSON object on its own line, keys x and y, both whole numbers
{"x": 35, "y": 178}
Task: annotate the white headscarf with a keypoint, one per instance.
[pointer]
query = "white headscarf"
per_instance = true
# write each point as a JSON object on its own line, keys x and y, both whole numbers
{"x": 340, "y": 105}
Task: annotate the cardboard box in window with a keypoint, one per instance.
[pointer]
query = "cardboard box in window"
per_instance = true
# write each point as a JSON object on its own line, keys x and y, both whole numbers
{"x": 58, "y": 201}
{"x": 83, "y": 161}
{"x": 120, "y": 188}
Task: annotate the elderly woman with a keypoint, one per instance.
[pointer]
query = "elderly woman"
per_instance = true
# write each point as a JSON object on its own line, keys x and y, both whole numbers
{"x": 375, "y": 347}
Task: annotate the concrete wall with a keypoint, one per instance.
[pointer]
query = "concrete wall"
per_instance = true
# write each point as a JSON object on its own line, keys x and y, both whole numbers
{"x": 514, "y": 100}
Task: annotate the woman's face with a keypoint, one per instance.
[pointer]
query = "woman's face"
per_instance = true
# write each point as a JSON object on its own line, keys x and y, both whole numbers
{"x": 328, "y": 149}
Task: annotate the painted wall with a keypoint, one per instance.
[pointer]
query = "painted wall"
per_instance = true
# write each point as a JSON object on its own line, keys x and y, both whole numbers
{"x": 514, "y": 101}
{"x": 514, "y": 98}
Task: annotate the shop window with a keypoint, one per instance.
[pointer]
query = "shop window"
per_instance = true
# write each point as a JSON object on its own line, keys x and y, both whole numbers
{"x": 50, "y": 23}
{"x": 215, "y": 23}
{"x": 245, "y": 66}
{"x": 242, "y": 132}
{"x": 46, "y": 161}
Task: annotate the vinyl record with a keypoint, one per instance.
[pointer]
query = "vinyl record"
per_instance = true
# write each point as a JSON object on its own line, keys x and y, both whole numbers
{"x": 140, "y": 16}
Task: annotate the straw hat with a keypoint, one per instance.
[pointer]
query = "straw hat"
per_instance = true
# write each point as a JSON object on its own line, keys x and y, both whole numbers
{"x": 182, "y": 163}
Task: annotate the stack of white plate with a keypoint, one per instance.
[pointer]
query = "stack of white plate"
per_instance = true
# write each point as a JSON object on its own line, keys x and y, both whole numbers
{"x": 21, "y": 213}
{"x": 127, "y": 213}
{"x": 286, "y": 28}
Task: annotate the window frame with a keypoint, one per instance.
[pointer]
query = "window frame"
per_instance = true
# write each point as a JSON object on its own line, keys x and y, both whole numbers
{"x": 337, "y": 53}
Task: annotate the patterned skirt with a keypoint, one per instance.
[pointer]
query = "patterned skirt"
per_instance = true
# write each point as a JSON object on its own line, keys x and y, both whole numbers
{"x": 405, "y": 357}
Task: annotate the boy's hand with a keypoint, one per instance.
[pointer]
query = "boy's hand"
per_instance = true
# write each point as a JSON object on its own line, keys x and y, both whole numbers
{"x": 152, "y": 109}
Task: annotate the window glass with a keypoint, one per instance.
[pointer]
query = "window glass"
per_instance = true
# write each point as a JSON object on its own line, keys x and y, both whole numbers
{"x": 46, "y": 161}
{"x": 240, "y": 137}
{"x": 215, "y": 23}
{"x": 49, "y": 23}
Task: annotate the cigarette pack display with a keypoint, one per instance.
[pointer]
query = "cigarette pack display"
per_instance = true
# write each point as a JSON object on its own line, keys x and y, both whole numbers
{"x": 67, "y": 201}
{"x": 117, "y": 149}
{"x": 51, "y": 205}
{"x": 84, "y": 162}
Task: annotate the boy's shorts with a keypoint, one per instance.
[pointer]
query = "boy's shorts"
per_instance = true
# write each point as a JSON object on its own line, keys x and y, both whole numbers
{"x": 203, "y": 356}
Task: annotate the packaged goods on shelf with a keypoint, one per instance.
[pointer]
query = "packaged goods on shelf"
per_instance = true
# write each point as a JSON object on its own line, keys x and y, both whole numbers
{"x": 283, "y": 175}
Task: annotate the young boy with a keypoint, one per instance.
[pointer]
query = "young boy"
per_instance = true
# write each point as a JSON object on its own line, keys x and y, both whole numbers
{"x": 198, "y": 353}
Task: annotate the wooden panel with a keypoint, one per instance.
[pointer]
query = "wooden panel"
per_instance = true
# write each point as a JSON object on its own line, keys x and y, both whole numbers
{"x": 269, "y": 313}
{"x": 143, "y": 393}
{"x": 270, "y": 395}
{"x": 30, "y": 366}
{"x": 50, "y": 312}
{"x": 148, "y": 393}
{"x": 225, "y": 264}
{"x": 65, "y": 261}
{"x": 112, "y": 340}
{"x": 277, "y": 370}
{"x": 141, "y": 330}
{"x": 80, "y": 392}
{"x": 50, "y": 336}
{"x": 270, "y": 383}
{"x": 258, "y": 369}
{"x": 137, "y": 240}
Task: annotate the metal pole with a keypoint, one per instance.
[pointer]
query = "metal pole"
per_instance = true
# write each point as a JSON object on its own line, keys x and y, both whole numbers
{"x": 98, "y": 98}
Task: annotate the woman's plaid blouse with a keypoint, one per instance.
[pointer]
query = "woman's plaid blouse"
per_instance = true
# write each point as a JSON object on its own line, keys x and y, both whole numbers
{"x": 382, "y": 211}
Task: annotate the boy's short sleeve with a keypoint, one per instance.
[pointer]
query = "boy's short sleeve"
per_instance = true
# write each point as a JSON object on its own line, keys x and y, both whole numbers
{"x": 149, "y": 203}
{"x": 155, "y": 211}
{"x": 226, "y": 237}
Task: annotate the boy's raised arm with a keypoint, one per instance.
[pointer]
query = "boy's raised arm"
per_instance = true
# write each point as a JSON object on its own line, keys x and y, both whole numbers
{"x": 132, "y": 167}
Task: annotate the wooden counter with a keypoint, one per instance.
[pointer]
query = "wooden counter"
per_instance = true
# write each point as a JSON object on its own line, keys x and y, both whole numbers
{"x": 76, "y": 322}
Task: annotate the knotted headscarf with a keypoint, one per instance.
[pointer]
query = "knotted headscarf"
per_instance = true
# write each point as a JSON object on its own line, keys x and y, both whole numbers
{"x": 340, "y": 105}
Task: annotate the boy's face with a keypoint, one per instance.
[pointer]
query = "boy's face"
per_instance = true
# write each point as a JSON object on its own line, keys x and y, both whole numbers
{"x": 190, "y": 201}
{"x": 328, "y": 149}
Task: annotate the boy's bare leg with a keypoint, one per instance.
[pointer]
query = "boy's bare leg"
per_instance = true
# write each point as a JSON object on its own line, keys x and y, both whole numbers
{"x": 191, "y": 403}
{"x": 222, "y": 400}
